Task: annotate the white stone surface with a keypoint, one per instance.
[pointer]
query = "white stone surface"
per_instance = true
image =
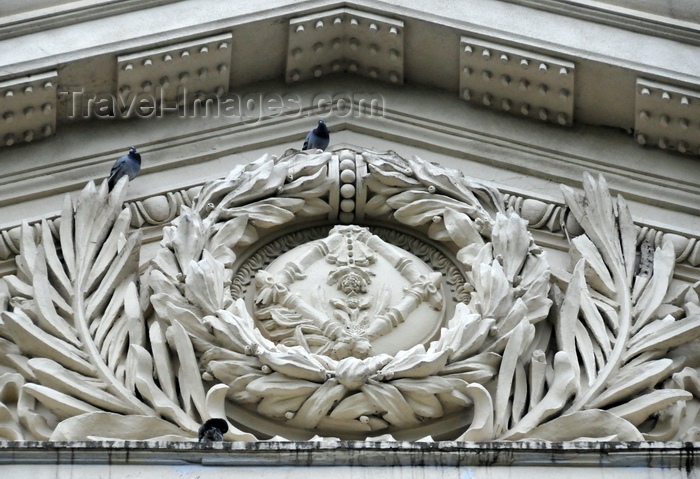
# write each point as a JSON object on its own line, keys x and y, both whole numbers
{"x": 92, "y": 341}
{"x": 98, "y": 349}
{"x": 361, "y": 295}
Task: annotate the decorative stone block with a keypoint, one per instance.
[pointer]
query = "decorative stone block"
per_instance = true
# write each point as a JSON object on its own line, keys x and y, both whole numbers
{"x": 27, "y": 108}
{"x": 667, "y": 116}
{"x": 517, "y": 81}
{"x": 345, "y": 40}
{"x": 177, "y": 73}
{"x": 348, "y": 186}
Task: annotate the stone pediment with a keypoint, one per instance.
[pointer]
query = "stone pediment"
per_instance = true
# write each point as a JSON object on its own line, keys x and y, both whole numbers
{"x": 348, "y": 294}
{"x": 459, "y": 298}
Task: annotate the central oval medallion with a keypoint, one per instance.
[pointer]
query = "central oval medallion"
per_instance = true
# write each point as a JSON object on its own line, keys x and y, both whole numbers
{"x": 349, "y": 294}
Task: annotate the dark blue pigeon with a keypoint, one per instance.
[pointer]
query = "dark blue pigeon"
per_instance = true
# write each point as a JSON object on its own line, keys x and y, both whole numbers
{"x": 128, "y": 165}
{"x": 213, "y": 430}
{"x": 318, "y": 138}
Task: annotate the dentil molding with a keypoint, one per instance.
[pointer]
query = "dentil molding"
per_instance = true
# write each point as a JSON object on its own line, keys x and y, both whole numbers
{"x": 316, "y": 39}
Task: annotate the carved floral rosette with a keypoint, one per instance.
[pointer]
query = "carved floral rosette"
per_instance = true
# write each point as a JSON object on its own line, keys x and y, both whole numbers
{"x": 92, "y": 348}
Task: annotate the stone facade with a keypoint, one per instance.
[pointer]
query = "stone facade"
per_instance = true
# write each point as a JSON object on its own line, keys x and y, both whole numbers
{"x": 500, "y": 243}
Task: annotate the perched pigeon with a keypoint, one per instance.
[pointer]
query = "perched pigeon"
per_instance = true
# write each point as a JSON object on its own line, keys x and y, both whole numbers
{"x": 213, "y": 430}
{"x": 318, "y": 138}
{"x": 128, "y": 165}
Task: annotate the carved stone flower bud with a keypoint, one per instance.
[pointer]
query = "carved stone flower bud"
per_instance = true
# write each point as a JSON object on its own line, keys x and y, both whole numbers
{"x": 353, "y": 284}
{"x": 352, "y": 373}
{"x": 353, "y": 302}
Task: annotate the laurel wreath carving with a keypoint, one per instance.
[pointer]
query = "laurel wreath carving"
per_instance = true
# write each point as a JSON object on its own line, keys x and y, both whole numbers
{"x": 90, "y": 349}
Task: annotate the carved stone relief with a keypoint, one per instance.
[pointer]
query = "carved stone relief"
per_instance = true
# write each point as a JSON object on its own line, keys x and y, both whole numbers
{"x": 376, "y": 299}
{"x": 91, "y": 348}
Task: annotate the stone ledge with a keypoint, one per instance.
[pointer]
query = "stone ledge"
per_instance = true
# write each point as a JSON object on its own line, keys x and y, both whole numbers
{"x": 686, "y": 31}
{"x": 355, "y": 453}
{"x": 42, "y": 19}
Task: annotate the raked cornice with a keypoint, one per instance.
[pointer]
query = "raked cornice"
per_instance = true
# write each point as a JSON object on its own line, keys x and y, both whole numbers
{"x": 525, "y": 157}
{"x": 546, "y": 217}
{"x": 426, "y": 116}
{"x": 29, "y": 19}
{"x": 663, "y": 19}
{"x": 675, "y": 20}
{"x": 494, "y": 18}
{"x": 609, "y": 61}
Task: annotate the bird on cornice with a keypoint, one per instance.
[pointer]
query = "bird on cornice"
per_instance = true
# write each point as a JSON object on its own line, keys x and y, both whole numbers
{"x": 128, "y": 165}
{"x": 213, "y": 430}
{"x": 318, "y": 138}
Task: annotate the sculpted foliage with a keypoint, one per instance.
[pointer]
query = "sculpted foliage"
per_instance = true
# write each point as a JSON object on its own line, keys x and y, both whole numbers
{"x": 92, "y": 347}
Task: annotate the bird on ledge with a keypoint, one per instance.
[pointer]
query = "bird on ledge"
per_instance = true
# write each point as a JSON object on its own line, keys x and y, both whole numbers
{"x": 318, "y": 138}
{"x": 128, "y": 165}
{"x": 213, "y": 430}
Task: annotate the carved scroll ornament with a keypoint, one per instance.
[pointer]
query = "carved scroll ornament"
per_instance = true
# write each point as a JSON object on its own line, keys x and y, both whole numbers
{"x": 91, "y": 348}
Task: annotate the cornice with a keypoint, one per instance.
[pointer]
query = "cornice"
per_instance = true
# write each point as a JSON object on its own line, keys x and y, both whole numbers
{"x": 620, "y": 17}
{"x": 546, "y": 154}
{"x": 69, "y": 13}
{"x": 649, "y": 455}
{"x": 607, "y": 88}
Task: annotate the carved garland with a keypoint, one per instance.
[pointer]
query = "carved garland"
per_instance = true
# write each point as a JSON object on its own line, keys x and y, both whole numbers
{"x": 87, "y": 343}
